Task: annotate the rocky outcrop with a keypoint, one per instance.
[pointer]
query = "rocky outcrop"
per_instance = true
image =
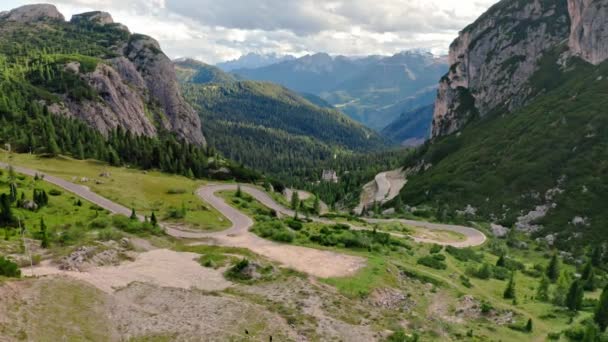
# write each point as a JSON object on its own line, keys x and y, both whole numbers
{"x": 122, "y": 103}
{"x": 136, "y": 89}
{"x": 158, "y": 72}
{"x": 589, "y": 32}
{"x": 97, "y": 18}
{"x": 33, "y": 13}
{"x": 493, "y": 59}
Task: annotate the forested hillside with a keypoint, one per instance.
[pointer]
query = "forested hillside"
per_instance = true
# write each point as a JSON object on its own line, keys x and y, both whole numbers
{"x": 541, "y": 168}
{"x": 268, "y": 127}
{"x": 60, "y": 92}
{"x": 412, "y": 128}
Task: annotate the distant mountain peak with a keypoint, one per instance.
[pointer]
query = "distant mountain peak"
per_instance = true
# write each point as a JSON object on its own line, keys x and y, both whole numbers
{"x": 254, "y": 60}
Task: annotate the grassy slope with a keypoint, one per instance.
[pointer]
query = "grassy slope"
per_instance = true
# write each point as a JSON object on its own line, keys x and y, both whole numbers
{"x": 504, "y": 164}
{"x": 385, "y": 266}
{"x": 145, "y": 192}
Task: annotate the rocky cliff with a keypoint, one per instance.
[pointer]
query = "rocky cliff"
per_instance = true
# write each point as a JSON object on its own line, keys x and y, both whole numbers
{"x": 132, "y": 83}
{"x": 589, "y": 31}
{"x": 493, "y": 58}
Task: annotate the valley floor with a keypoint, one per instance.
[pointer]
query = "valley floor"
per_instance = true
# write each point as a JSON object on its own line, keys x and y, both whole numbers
{"x": 183, "y": 286}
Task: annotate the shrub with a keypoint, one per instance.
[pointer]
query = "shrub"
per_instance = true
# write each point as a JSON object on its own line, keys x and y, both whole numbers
{"x": 273, "y": 230}
{"x": 55, "y": 192}
{"x": 436, "y": 249}
{"x": 464, "y": 254}
{"x": 294, "y": 224}
{"x": 176, "y": 191}
{"x": 465, "y": 281}
{"x": 236, "y": 271}
{"x": 99, "y": 223}
{"x": 432, "y": 262}
{"x": 109, "y": 234}
{"x": 9, "y": 268}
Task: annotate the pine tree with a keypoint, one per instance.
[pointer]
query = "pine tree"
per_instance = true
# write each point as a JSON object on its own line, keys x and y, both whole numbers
{"x": 239, "y": 192}
{"x": 588, "y": 277}
{"x": 44, "y": 243}
{"x": 542, "y": 293}
{"x": 561, "y": 290}
{"x": 153, "y": 220}
{"x": 591, "y": 334}
{"x": 79, "y": 150}
{"x": 510, "y": 290}
{"x": 13, "y": 192}
{"x": 295, "y": 200}
{"x": 501, "y": 261}
{"x": 6, "y": 213}
{"x": 553, "y": 270}
{"x": 601, "y": 311}
{"x": 52, "y": 147}
{"x": 574, "y": 299}
{"x": 529, "y": 326}
{"x": 133, "y": 214}
{"x": 317, "y": 205}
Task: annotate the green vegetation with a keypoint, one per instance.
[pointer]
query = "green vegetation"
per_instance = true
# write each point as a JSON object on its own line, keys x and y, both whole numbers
{"x": 9, "y": 268}
{"x": 558, "y": 142}
{"x": 149, "y": 193}
{"x": 271, "y": 129}
{"x": 41, "y": 64}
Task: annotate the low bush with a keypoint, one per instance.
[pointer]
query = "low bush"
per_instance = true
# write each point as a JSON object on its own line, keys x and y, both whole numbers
{"x": 294, "y": 224}
{"x": 176, "y": 191}
{"x": 464, "y": 254}
{"x": 99, "y": 223}
{"x": 436, "y": 249}
{"x": 9, "y": 268}
{"x": 273, "y": 230}
{"x": 55, "y": 192}
{"x": 432, "y": 262}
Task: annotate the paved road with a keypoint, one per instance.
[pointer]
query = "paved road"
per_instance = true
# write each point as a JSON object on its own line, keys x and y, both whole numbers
{"x": 309, "y": 260}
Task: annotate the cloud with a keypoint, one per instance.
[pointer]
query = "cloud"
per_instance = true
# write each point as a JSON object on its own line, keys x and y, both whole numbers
{"x": 213, "y": 30}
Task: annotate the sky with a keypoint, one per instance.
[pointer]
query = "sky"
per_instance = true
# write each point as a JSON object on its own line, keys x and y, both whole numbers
{"x": 219, "y": 30}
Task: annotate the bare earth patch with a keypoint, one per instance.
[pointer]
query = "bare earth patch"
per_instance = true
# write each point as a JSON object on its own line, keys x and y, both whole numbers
{"x": 161, "y": 267}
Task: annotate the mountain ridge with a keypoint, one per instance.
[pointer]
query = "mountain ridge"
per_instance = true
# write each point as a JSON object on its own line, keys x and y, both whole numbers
{"x": 99, "y": 73}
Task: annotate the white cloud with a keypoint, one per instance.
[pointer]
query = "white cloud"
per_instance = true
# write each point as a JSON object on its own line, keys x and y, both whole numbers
{"x": 213, "y": 30}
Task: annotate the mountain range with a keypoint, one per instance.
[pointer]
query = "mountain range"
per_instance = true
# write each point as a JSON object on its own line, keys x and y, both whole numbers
{"x": 253, "y": 60}
{"x": 371, "y": 90}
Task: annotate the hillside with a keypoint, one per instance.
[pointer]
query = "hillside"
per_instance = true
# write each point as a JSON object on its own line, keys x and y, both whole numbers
{"x": 268, "y": 127}
{"x": 411, "y": 128}
{"x": 92, "y": 69}
{"x": 538, "y": 166}
{"x": 360, "y": 87}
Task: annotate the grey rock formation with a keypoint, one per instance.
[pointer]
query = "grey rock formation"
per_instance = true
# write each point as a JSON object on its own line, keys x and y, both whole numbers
{"x": 589, "y": 32}
{"x": 97, "y": 17}
{"x": 158, "y": 73}
{"x": 138, "y": 90}
{"x": 33, "y": 13}
{"x": 122, "y": 105}
{"x": 493, "y": 58}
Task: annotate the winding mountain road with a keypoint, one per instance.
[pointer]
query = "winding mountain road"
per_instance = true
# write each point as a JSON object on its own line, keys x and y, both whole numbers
{"x": 317, "y": 262}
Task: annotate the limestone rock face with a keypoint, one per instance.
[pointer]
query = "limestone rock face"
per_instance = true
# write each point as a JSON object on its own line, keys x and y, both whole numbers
{"x": 97, "y": 17}
{"x": 122, "y": 104}
{"x": 158, "y": 73}
{"x": 493, "y": 58}
{"x": 136, "y": 88}
{"x": 33, "y": 13}
{"x": 589, "y": 32}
